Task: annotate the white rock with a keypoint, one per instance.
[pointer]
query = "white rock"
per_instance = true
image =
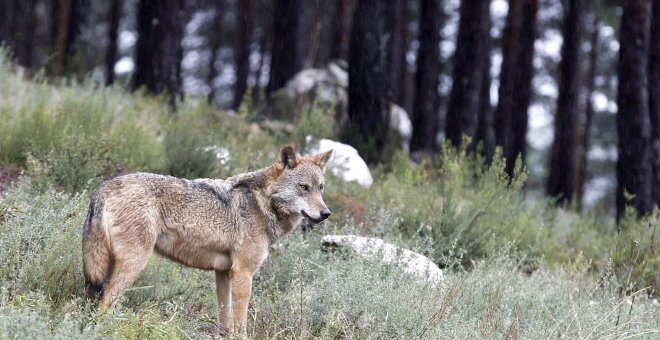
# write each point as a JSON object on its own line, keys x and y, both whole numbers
{"x": 304, "y": 81}
{"x": 329, "y": 85}
{"x": 346, "y": 163}
{"x": 412, "y": 263}
{"x": 400, "y": 122}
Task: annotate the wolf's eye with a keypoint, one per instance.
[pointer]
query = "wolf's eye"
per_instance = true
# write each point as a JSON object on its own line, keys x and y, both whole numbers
{"x": 304, "y": 187}
{"x": 321, "y": 187}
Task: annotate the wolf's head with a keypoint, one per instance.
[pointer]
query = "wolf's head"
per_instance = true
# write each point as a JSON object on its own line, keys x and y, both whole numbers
{"x": 298, "y": 184}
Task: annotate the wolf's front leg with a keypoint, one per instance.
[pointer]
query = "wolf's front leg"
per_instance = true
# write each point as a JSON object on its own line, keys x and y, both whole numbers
{"x": 241, "y": 290}
{"x": 223, "y": 294}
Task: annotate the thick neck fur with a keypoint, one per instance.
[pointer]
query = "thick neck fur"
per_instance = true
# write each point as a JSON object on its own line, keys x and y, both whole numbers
{"x": 260, "y": 183}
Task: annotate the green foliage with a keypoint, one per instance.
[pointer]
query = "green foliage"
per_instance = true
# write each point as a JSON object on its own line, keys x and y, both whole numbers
{"x": 186, "y": 153}
{"x": 40, "y": 243}
{"x": 635, "y": 260}
{"x": 316, "y": 121}
{"x": 74, "y": 164}
{"x": 515, "y": 267}
{"x": 39, "y": 118}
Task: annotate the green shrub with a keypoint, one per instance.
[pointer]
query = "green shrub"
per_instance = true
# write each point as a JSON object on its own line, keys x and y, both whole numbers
{"x": 74, "y": 164}
{"x": 39, "y": 118}
{"x": 634, "y": 257}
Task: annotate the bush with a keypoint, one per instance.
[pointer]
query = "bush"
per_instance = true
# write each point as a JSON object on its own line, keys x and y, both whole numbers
{"x": 75, "y": 164}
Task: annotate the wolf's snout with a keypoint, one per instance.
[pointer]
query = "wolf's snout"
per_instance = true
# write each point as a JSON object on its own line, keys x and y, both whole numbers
{"x": 325, "y": 213}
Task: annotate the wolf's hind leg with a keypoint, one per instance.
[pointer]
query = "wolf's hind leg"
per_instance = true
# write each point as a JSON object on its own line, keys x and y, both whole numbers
{"x": 128, "y": 265}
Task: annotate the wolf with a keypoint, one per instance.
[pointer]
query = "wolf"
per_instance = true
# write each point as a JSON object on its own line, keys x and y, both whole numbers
{"x": 222, "y": 225}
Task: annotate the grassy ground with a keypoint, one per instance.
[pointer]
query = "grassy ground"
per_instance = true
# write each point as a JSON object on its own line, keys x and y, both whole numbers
{"x": 514, "y": 267}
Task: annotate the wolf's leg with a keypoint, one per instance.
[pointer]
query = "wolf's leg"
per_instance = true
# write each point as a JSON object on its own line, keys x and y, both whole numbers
{"x": 128, "y": 265}
{"x": 223, "y": 293}
{"x": 241, "y": 290}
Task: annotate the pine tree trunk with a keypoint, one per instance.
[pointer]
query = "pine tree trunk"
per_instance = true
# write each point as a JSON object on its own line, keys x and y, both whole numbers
{"x": 286, "y": 58}
{"x": 654, "y": 99}
{"x": 159, "y": 50}
{"x": 6, "y": 22}
{"x": 69, "y": 15}
{"x": 485, "y": 126}
{"x": 584, "y": 131}
{"x": 113, "y": 31}
{"x": 425, "y": 118}
{"x": 215, "y": 41}
{"x": 368, "y": 110}
{"x": 561, "y": 180}
{"x": 396, "y": 55}
{"x": 515, "y": 80}
{"x": 507, "y": 90}
{"x": 341, "y": 29}
{"x": 246, "y": 29}
{"x": 469, "y": 71}
{"x": 633, "y": 120}
{"x": 23, "y": 32}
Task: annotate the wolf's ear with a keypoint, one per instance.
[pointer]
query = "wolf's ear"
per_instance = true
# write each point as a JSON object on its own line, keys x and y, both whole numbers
{"x": 322, "y": 159}
{"x": 288, "y": 158}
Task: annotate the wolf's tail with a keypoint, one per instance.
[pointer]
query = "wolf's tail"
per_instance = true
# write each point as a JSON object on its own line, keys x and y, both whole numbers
{"x": 97, "y": 254}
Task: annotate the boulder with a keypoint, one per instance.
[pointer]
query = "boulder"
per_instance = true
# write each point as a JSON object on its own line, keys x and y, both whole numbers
{"x": 345, "y": 163}
{"x": 327, "y": 88}
{"x": 413, "y": 263}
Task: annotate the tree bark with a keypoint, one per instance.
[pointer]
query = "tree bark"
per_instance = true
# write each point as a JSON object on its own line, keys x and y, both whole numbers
{"x": 286, "y": 58}
{"x": 113, "y": 32}
{"x": 515, "y": 80}
{"x": 23, "y": 25}
{"x": 396, "y": 55}
{"x": 7, "y": 15}
{"x": 425, "y": 117}
{"x": 368, "y": 109}
{"x": 341, "y": 29}
{"x": 485, "y": 125}
{"x": 469, "y": 71}
{"x": 159, "y": 50}
{"x": 584, "y": 131}
{"x": 214, "y": 37}
{"x": 654, "y": 100}
{"x": 246, "y": 29}
{"x": 633, "y": 120}
{"x": 68, "y": 18}
{"x": 561, "y": 180}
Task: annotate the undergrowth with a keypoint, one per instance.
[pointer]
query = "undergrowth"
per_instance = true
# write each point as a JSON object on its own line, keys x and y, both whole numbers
{"x": 514, "y": 267}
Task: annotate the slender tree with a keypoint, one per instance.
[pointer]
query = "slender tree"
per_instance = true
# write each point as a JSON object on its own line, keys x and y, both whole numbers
{"x": 561, "y": 181}
{"x": 486, "y": 124}
{"x": 396, "y": 55}
{"x": 425, "y": 117}
{"x": 470, "y": 67}
{"x": 368, "y": 110}
{"x": 6, "y": 16}
{"x": 633, "y": 121}
{"x": 286, "y": 57}
{"x": 341, "y": 29}
{"x": 114, "y": 16}
{"x": 22, "y": 28}
{"x": 245, "y": 32}
{"x": 159, "y": 50}
{"x": 214, "y": 35}
{"x": 584, "y": 130}
{"x": 68, "y": 20}
{"x": 515, "y": 80}
{"x": 264, "y": 29}
{"x": 654, "y": 99}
